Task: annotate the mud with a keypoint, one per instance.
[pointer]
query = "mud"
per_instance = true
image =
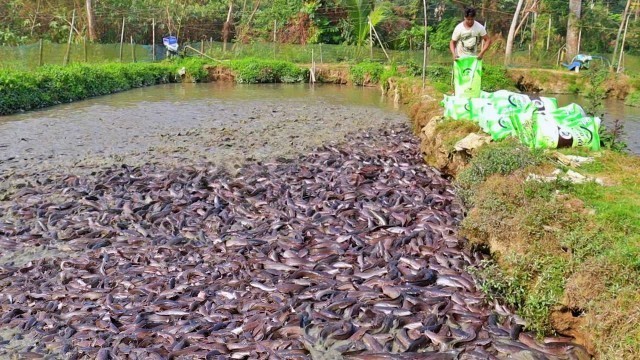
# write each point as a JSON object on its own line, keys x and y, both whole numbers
{"x": 221, "y": 123}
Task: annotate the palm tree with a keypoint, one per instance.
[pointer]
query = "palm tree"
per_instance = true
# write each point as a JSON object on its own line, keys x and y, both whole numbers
{"x": 361, "y": 12}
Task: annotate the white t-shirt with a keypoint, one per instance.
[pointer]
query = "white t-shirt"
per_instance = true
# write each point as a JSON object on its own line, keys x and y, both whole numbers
{"x": 468, "y": 39}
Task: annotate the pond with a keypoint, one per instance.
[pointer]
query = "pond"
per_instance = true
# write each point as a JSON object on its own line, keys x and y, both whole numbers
{"x": 223, "y": 123}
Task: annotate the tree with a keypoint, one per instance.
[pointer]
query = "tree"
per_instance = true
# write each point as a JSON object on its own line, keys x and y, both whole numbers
{"x": 363, "y": 12}
{"x": 90, "y": 22}
{"x": 512, "y": 31}
{"x": 624, "y": 17}
{"x": 573, "y": 29}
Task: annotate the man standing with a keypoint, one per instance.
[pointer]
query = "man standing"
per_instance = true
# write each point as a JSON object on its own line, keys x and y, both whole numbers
{"x": 466, "y": 37}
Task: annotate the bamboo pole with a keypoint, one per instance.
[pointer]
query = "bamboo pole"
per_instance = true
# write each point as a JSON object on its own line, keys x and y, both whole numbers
{"x": 424, "y": 48}
{"x": 68, "y": 52}
{"x": 312, "y": 78}
{"x": 153, "y": 38}
{"x": 121, "y": 38}
{"x": 549, "y": 33}
{"x": 624, "y": 17}
{"x": 201, "y": 47}
{"x": 198, "y": 52}
{"x": 41, "y": 51}
{"x": 275, "y": 27}
{"x": 579, "y": 39}
{"x": 624, "y": 37}
{"x": 226, "y": 28}
{"x": 379, "y": 41}
{"x": 84, "y": 45}
{"x": 133, "y": 50}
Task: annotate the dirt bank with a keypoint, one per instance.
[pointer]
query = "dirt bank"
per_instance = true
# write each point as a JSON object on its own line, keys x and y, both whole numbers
{"x": 567, "y": 82}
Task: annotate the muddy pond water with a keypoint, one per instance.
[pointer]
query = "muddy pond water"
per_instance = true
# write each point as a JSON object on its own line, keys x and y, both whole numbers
{"x": 222, "y": 123}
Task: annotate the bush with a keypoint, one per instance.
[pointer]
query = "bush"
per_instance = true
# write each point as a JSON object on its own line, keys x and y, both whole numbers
{"x": 252, "y": 71}
{"x": 51, "y": 85}
{"x": 497, "y": 158}
{"x": 495, "y": 78}
{"x": 633, "y": 99}
{"x": 366, "y": 73}
{"x": 194, "y": 68}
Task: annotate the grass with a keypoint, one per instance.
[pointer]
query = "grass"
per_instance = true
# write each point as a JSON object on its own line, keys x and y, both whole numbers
{"x": 559, "y": 245}
{"x": 253, "y": 70}
{"x": 496, "y": 158}
{"x": 633, "y": 99}
{"x": 50, "y": 85}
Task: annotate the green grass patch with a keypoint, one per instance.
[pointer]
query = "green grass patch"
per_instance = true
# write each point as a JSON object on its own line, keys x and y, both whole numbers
{"x": 254, "y": 70}
{"x": 633, "y": 99}
{"x": 51, "y": 85}
{"x": 560, "y": 245}
{"x": 495, "y": 78}
{"x": 496, "y": 158}
{"x": 366, "y": 73}
{"x": 453, "y": 131}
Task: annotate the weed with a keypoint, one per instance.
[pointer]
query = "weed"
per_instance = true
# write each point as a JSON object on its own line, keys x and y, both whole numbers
{"x": 51, "y": 85}
{"x": 496, "y": 158}
{"x": 495, "y": 78}
{"x": 251, "y": 71}
{"x": 611, "y": 138}
{"x": 366, "y": 73}
{"x": 633, "y": 99}
{"x": 508, "y": 287}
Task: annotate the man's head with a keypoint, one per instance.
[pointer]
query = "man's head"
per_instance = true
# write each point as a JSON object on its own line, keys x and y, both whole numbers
{"x": 469, "y": 16}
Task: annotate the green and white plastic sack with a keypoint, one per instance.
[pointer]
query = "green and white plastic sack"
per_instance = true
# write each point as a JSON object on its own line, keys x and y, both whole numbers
{"x": 462, "y": 108}
{"x": 467, "y": 77}
{"x": 523, "y": 123}
{"x": 456, "y": 108}
{"x": 549, "y": 134}
{"x": 505, "y": 101}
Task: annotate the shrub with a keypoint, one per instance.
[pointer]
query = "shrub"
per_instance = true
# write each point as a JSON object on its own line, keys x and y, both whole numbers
{"x": 495, "y": 78}
{"x": 51, "y": 85}
{"x": 252, "y": 71}
{"x": 497, "y": 158}
{"x": 633, "y": 99}
{"x": 366, "y": 73}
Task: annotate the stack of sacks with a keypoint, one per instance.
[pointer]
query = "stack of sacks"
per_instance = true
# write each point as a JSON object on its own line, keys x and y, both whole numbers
{"x": 536, "y": 123}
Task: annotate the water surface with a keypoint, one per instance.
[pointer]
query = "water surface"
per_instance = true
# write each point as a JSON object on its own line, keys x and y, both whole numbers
{"x": 222, "y": 123}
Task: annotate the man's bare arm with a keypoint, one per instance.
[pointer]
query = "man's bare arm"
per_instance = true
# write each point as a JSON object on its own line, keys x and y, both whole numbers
{"x": 486, "y": 42}
{"x": 452, "y": 48}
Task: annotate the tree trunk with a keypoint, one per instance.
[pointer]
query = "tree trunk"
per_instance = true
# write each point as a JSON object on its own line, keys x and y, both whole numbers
{"x": 573, "y": 29}
{"x": 90, "y": 22}
{"x": 226, "y": 28}
{"x": 624, "y": 17}
{"x": 245, "y": 27}
{"x": 512, "y": 31}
